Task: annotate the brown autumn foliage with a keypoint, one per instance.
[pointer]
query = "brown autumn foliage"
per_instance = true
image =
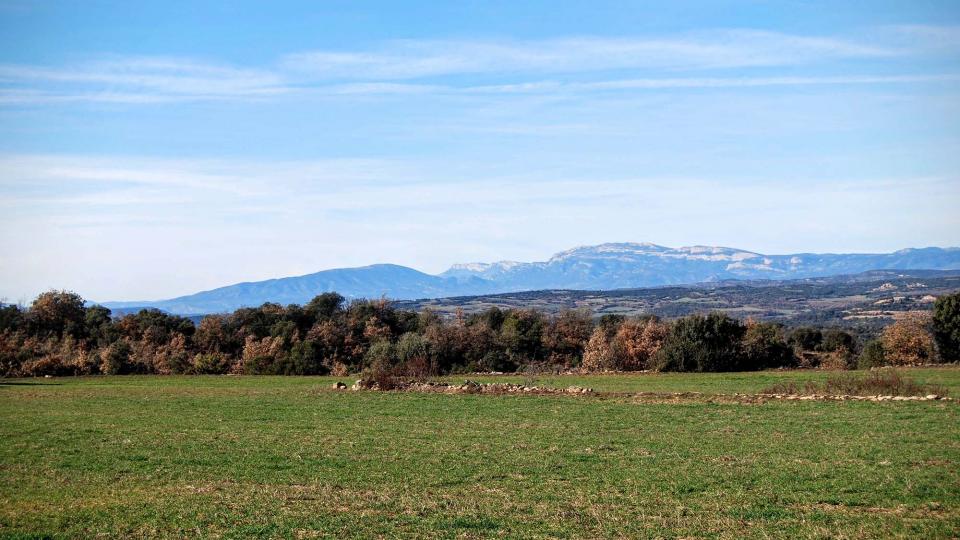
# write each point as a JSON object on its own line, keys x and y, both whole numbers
{"x": 909, "y": 341}
{"x": 330, "y": 339}
{"x": 59, "y": 335}
{"x": 259, "y": 353}
{"x": 211, "y": 334}
{"x": 374, "y": 330}
{"x": 840, "y": 359}
{"x": 566, "y": 335}
{"x": 627, "y": 348}
{"x": 636, "y": 343}
{"x": 339, "y": 369}
{"x": 57, "y": 312}
{"x": 60, "y": 357}
{"x": 597, "y": 356}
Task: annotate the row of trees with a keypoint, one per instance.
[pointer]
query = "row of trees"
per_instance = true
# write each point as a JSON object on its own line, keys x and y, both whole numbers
{"x": 59, "y": 335}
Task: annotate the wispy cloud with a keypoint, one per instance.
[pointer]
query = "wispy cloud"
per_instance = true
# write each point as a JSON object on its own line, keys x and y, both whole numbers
{"x": 939, "y": 39}
{"x": 715, "y": 50}
{"x": 136, "y": 80}
{"x": 337, "y": 184}
{"x": 26, "y": 178}
{"x": 481, "y": 66}
{"x": 548, "y": 87}
{"x": 27, "y": 96}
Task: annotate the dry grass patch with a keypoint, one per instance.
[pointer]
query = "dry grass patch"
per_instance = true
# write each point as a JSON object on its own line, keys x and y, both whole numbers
{"x": 884, "y": 382}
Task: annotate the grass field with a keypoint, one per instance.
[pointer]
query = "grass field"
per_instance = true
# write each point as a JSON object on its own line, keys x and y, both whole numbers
{"x": 236, "y": 457}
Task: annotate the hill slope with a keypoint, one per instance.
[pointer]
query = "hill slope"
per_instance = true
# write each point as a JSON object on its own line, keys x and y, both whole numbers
{"x": 390, "y": 280}
{"x": 866, "y": 301}
{"x": 602, "y": 267}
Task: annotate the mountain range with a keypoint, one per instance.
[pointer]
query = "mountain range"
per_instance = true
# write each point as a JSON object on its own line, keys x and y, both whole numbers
{"x": 600, "y": 267}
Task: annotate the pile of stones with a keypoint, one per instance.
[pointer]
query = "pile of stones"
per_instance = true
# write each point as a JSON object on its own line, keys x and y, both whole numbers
{"x": 824, "y": 397}
{"x": 474, "y": 387}
{"x": 468, "y": 387}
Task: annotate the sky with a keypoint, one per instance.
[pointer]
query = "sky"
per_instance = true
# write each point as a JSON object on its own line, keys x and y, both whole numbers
{"x": 155, "y": 149}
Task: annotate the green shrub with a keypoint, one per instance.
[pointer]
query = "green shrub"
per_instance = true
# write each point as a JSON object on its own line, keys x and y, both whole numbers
{"x": 764, "y": 347}
{"x": 211, "y": 363}
{"x": 946, "y": 327}
{"x": 835, "y": 340}
{"x": 303, "y": 359}
{"x": 381, "y": 354}
{"x": 806, "y": 339}
{"x": 521, "y": 335}
{"x": 116, "y": 358}
{"x": 382, "y": 367}
{"x": 412, "y": 348}
{"x": 497, "y": 361}
{"x": 872, "y": 355}
{"x": 702, "y": 343}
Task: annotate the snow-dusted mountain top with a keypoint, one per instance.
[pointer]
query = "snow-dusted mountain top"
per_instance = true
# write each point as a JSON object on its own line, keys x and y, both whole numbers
{"x": 600, "y": 267}
{"x": 482, "y": 267}
{"x": 633, "y": 264}
{"x": 629, "y": 250}
{"x": 622, "y": 251}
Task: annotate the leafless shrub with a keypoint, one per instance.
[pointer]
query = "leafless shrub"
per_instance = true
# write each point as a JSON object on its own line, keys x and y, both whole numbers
{"x": 886, "y": 382}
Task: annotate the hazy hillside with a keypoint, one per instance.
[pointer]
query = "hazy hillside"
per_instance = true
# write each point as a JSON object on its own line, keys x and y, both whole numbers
{"x": 602, "y": 267}
{"x": 865, "y": 301}
{"x": 388, "y": 280}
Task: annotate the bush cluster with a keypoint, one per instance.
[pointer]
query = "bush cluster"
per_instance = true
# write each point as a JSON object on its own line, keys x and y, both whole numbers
{"x": 59, "y": 335}
{"x": 885, "y": 382}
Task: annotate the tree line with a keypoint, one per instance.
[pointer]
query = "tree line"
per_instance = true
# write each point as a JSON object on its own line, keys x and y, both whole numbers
{"x": 58, "y": 334}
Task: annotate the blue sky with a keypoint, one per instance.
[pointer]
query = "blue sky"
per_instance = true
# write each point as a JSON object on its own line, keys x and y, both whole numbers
{"x": 151, "y": 149}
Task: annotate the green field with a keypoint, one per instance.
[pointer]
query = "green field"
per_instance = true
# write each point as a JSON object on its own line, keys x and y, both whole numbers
{"x": 236, "y": 457}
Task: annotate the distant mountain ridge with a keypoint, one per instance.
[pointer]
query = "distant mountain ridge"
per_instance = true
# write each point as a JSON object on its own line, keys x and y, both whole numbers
{"x": 390, "y": 280}
{"x": 600, "y": 267}
{"x": 625, "y": 265}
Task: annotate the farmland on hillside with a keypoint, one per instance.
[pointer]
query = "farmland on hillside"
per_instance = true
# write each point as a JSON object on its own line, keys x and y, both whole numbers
{"x": 865, "y": 302}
